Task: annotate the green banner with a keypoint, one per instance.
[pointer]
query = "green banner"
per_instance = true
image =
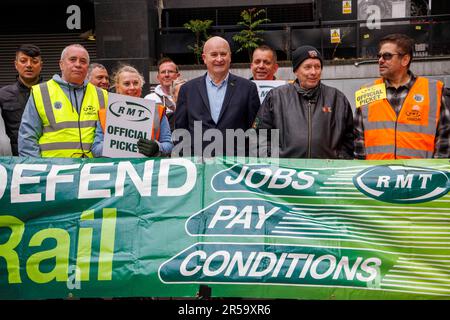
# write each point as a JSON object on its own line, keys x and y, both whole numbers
{"x": 269, "y": 228}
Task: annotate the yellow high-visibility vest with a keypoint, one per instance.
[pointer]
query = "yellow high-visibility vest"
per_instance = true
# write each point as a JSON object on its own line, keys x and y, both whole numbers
{"x": 67, "y": 133}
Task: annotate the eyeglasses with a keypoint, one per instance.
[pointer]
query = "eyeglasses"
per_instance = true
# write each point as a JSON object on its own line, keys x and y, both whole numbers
{"x": 388, "y": 56}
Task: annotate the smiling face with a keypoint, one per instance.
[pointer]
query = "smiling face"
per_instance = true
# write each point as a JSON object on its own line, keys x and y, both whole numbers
{"x": 74, "y": 65}
{"x": 309, "y": 72}
{"x": 217, "y": 57}
{"x": 99, "y": 77}
{"x": 263, "y": 65}
{"x": 129, "y": 83}
{"x": 167, "y": 73}
{"x": 29, "y": 68}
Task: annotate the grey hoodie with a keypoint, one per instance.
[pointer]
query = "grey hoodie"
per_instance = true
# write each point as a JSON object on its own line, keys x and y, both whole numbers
{"x": 31, "y": 126}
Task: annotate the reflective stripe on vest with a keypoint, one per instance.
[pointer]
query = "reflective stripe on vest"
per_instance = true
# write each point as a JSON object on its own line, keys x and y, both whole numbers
{"x": 101, "y": 97}
{"x": 411, "y": 134}
{"x": 156, "y": 120}
{"x": 65, "y": 132}
{"x": 388, "y": 149}
{"x": 64, "y": 145}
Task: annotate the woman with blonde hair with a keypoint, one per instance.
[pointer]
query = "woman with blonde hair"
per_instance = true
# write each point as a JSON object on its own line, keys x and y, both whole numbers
{"x": 128, "y": 81}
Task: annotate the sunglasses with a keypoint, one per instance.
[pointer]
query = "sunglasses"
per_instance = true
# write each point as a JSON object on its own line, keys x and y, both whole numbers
{"x": 387, "y": 55}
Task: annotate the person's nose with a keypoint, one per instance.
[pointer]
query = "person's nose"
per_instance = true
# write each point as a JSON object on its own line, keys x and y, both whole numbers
{"x": 314, "y": 72}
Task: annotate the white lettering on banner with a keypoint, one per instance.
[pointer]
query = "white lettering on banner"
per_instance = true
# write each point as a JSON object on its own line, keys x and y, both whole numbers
{"x": 258, "y": 264}
{"x": 224, "y": 257}
{"x": 18, "y": 180}
{"x": 383, "y": 181}
{"x": 86, "y": 176}
{"x": 163, "y": 180}
{"x": 143, "y": 186}
{"x": 256, "y": 270}
{"x": 344, "y": 264}
{"x": 403, "y": 182}
{"x": 283, "y": 175}
{"x": 331, "y": 266}
{"x": 225, "y": 213}
{"x": 425, "y": 178}
{"x": 266, "y": 172}
{"x": 242, "y": 267}
{"x": 372, "y": 269}
{"x": 279, "y": 178}
{"x": 53, "y": 178}
{"x": 183, "y": 267}
{"x": 3, "y": 180}
{"x": 53, "y": 182}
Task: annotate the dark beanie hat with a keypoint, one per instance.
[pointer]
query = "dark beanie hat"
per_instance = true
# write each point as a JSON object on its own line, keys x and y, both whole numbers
{"x": 305, "y": 52}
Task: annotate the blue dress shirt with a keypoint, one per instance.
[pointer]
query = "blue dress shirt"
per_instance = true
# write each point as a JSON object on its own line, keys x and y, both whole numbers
{"x": 216, "y": 95}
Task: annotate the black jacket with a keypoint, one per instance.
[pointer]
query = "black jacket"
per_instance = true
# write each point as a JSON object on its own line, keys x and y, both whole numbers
{"x": 323, "y": 130}
{"x": 13, "y": 99}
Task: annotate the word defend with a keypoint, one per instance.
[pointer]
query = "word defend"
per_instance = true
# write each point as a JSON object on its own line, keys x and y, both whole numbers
{"x": 368, "y": 95}
{"x": 127, "y": 120}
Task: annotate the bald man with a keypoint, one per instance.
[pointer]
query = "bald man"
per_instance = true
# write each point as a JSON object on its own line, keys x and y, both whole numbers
{"x": 60, "y": 116}
{"x": 217, "y": 100}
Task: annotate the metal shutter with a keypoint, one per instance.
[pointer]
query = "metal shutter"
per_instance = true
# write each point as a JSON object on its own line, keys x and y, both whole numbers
{"x": 51, "y": 46}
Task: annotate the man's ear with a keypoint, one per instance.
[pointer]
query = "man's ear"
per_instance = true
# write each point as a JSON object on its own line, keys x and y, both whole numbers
{"x": 406, "y": 59}
{"x": 276, "y": 67}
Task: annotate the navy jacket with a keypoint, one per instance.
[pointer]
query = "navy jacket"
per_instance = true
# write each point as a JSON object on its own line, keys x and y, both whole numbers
{"x": 239, "y": 109}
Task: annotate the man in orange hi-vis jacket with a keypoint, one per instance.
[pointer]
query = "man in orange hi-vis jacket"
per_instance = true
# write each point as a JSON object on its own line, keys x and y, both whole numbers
{"x": 412, "y": 119}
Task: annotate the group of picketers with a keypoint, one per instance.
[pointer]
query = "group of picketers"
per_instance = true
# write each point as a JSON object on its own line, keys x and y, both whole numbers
{"x": 65, "y": 116}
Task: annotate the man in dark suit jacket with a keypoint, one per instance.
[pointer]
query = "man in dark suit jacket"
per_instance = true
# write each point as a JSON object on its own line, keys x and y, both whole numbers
{"x": 219, "y": 99}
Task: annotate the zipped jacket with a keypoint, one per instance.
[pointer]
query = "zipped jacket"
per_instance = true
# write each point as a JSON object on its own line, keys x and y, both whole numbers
{"x": 13, "y": 98}
{"x": 308, "y": 129}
